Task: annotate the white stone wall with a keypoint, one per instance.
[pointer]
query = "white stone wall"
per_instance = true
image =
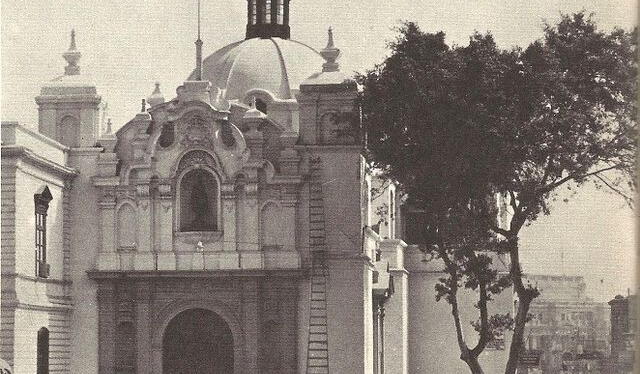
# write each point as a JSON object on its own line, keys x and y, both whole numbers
{"x": 433, "y": 347}
{"x": 29, "y": 303}
{"x": 84, "y": 244}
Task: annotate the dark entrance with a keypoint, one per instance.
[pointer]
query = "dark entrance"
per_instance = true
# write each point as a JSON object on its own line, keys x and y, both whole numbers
{"x": 197, "y": 341}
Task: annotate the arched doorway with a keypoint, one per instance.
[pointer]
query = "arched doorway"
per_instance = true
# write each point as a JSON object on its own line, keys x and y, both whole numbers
{"x": 197, "y": 341}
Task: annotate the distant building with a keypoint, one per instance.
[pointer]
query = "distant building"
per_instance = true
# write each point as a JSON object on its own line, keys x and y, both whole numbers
{"x": 623, "y": 331}
{"x": 569, "y": 330}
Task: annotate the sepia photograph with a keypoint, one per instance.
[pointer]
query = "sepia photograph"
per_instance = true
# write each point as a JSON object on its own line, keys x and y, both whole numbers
{"x": 318, "y": 187}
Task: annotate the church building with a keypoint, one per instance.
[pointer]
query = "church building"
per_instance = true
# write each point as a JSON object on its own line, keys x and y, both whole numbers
{"x": 228, "y": 229}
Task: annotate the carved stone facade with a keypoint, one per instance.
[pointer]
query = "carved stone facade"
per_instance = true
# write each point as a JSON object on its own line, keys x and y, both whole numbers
{"x": 212, "y": 232}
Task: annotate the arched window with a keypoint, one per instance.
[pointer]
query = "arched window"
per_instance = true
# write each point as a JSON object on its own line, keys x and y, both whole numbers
{"x": 42, "y": 366}
{"x": 253, "y": 11}
{"x": 271, "y": 227}
{"x": 68, "y": 131}
{"x": 267, "y": 11}
{"x": 198, "y": 201}
{"x": 127, "y": 224}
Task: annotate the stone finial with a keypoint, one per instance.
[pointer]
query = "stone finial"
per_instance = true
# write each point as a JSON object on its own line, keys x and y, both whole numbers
{"x": 330, "y": 41}
{"x": 156, "y": 96}
{"x": 330, "y": 54}
{"x": 253, "y": 113}
{"x": 108, "y": 130}
{"x": 143, "y": 109}
{"x": 72, "y": 56}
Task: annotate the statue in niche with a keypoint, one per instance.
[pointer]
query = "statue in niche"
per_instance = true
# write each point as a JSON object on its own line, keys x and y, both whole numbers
{"x": 200, "y": 205}
{"x": 198, "y": 202}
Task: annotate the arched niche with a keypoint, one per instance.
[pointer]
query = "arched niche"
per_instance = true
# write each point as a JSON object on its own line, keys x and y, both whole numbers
{"x": 198, "y": 341}
{"x": 198, "y": 200}
{"x": 127, "y": 225}
{"x": 69, "y": 131}
{"x": 271, "y": 228}
{"x": 168, "y": 313}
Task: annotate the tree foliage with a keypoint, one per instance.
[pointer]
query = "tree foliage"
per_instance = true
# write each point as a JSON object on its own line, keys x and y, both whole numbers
{"x": 456, "y": 126}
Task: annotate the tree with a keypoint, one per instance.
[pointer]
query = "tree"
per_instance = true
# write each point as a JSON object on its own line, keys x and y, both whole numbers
{"x": 457, "y": 126}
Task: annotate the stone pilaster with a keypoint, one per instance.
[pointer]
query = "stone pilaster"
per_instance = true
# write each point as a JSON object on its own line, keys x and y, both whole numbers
{"x": 164, "y": 218}
{"x": 106, "y": 327}
{"x": 228, "y": 217}
{"x": 252, "y": 216}
{"x": 143, "y": 326}
{"x": 250, "y": 325}
{"x": 107, "y": 257}
{"x": 144, "y": 259}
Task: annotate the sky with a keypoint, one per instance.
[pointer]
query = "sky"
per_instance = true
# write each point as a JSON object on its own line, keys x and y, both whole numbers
{"x": 128, "y": 45}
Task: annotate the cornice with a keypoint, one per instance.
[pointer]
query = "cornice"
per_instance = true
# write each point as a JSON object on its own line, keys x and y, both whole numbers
{"x": 27, "y": 154}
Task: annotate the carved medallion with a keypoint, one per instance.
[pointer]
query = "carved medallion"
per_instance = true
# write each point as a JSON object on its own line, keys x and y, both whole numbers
{"x": 197, "y": 133}
{"x": 196, "y": 158}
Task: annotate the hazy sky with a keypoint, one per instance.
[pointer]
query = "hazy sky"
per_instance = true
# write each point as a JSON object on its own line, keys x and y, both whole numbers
{"x": 127, "y": 45}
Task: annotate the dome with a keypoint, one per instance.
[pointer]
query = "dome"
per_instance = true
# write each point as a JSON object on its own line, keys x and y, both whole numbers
{"x": 273, "y": 64}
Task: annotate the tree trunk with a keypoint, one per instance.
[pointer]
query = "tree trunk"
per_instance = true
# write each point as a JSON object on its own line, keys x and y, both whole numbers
{"x": 474, "y": 365}
{"x": 518, "y": 335}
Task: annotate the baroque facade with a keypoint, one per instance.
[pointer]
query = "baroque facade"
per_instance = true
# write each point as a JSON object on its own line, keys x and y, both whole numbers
{"x": 226, "y": 230}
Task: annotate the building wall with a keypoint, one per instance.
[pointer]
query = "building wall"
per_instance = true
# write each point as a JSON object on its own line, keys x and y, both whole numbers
{"x": 565, "y": 323}
{"x": 261, "y": 313}
{"x": 84, "y": 244}
{"x": 433, "y": 346}
{"x": 29, "y": 302}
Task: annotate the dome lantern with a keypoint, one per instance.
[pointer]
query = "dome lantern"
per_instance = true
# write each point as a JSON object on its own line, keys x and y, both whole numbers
{"x": 268, "y": 19}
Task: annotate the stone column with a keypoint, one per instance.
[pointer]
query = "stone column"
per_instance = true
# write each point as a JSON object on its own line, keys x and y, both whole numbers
{"x": 144, "y": 259}
{"x": 107, "y": 257}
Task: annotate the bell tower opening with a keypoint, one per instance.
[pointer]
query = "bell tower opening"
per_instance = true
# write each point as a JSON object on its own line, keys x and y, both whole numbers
{"x": 197, "y": 341}
{"x": 268, "y": 19}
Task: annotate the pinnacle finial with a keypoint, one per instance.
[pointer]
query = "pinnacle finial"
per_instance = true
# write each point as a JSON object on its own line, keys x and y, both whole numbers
{"x": 330, "y": 54}
{"x": 144, "y": 106}
{"x": 156, "y": 96}
{"x": 72, "y": 56}
{"x": 108, "y": 129}
{"x": 73, "y": 47}
{"x": 330, "y": 41}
